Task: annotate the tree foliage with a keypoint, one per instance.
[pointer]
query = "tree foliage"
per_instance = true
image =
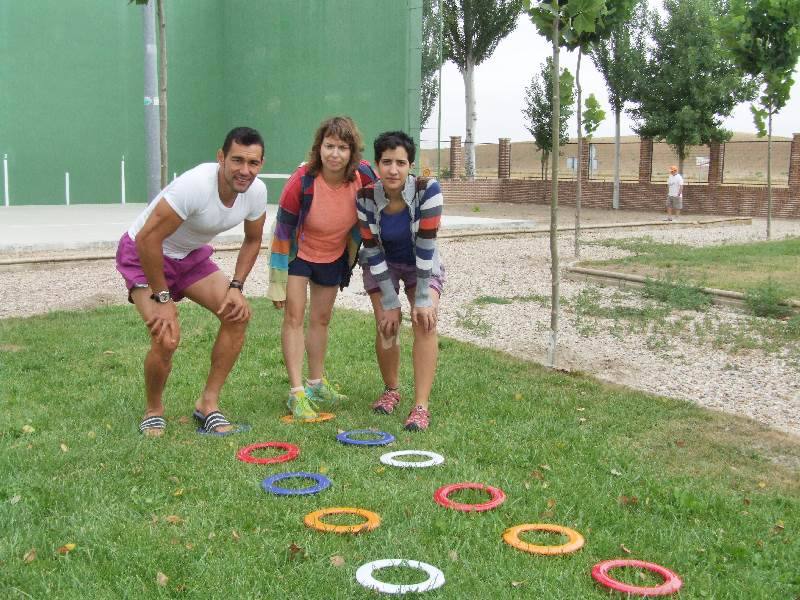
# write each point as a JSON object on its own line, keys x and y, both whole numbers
{"x": 691, "y": 83}
{"x": 473, "y": 28}
{"x": 592, "y": 116}
{"x": 582, "y": 22}
{"x": 538, "y": 110}
{"x": 431, "y": 59}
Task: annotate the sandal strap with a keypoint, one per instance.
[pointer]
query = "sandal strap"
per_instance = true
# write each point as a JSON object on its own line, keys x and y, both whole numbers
{"x": 156, "y": 422}
{"x": 213, "y": 420}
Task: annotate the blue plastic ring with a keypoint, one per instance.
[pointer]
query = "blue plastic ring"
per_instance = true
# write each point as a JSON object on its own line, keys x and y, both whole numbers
{"x": 346, "y": 438}
{"x": 323, "y": 483}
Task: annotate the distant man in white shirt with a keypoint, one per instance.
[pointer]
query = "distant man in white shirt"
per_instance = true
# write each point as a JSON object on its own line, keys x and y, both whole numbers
{"x": 674, "y": 193}
{"x": 165, "y": 256}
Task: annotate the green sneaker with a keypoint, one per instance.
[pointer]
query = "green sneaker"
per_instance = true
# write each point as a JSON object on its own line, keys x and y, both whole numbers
{"x": 301, "y": 406}
{"x": 324, "y": 393}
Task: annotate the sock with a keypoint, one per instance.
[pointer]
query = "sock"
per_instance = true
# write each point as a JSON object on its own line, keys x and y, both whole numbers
{"x": 314, "y": 381}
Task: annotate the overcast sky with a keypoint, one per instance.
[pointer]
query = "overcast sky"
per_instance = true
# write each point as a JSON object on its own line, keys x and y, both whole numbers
{"x": 500, "y": 89}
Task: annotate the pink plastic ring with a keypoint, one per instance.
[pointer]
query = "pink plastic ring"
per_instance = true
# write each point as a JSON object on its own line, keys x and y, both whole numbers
{"x": 498, "y": 496}
{"x": 672, "y": 583}
{"x": 292, "y": 452}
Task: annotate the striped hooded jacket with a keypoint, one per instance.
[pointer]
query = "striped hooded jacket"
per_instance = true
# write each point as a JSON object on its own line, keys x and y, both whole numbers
{"x": 294, "y": 206}
{"x": 424, "y": 200}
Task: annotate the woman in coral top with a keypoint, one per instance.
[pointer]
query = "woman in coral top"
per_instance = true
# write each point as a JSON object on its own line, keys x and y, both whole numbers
{"x": 314, "y": 247}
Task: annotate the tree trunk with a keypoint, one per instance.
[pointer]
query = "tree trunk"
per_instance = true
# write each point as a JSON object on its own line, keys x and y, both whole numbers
{"x": 580, "y": 157}
{"x": 162, "y": 91}
{"x": 554, "y": 271}
{"x": 151, "y": 124}
{"x": 617, "y": 144}
{"x": 472, "y": 119}
{"x": 769, "y": 174}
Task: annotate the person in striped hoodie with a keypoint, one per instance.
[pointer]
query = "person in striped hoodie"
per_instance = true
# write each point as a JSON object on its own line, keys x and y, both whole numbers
{"x": 399, "y": 217}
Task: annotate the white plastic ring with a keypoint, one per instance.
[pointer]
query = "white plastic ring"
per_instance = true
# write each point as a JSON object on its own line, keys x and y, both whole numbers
{"x": 389, "y": 459}
{"x": 364, "y": 576}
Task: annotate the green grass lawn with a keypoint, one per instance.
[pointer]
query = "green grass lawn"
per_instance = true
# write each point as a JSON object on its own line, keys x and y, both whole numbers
{"x": 712, "y": 497}
{"x": 735, "y": 267}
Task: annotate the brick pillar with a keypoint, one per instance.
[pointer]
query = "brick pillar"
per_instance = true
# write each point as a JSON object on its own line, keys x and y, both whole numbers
{"x": 716, "y": 162}
{"x": 585, "y": 160}
{"x": 794, "y": 162}
{"x": 504, "y": 158}
{"x": 456, "y": 157}
{"x": 645, "y": 160}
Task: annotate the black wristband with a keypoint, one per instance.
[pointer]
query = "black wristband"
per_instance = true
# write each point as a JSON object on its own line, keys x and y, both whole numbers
{"x": 237, "y": 285}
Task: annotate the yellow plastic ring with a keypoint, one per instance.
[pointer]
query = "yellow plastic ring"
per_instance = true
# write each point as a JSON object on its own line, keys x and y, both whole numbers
{"x": 314, "y": 520}
{"x": 511, "y": 537}
{"x": 320, "y": 417}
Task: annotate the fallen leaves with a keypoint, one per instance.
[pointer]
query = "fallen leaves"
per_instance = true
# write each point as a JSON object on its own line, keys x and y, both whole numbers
{"x": 161, "y": 579}
{"x": 294, "y": 550}
{"x": 27, "y": 429}
{"x": 516, "y": 584}
{"x": 628, "y": 500}
{"x": 616, "y": 472}
{"x": 178, "y": 492}
{"x": 453, "y": 555}
{"x": 624, "y": 549}
{"x": 14, "y": 499}
{"x": 64, "y": 447}
{"x": 537, "y": 474}
{"x": 779, "y": 527}
{"x": 680, "y": 443}
{"x": 66, "y": 548}
{"x": 29, "y": 556}
{"x": 173, "y": 519}
{"x": 337, "y": 560}
{"x": 183, "y": 420}
{"x": 235, "y": 535}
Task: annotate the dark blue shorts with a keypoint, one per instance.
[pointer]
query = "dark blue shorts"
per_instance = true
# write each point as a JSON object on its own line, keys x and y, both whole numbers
{"x": 331, "y": 274}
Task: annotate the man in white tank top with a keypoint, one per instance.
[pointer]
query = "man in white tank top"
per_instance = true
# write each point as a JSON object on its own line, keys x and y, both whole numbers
{"x": 165, "y": 256}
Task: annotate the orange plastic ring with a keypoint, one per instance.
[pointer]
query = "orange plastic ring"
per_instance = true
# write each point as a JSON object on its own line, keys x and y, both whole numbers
{"x": 323, "y": 416}
{"x": 314, "y": 520}
{"x": 511, "y": 537}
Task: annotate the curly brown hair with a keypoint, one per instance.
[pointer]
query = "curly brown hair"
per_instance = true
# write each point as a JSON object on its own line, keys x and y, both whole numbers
{"x": 346, "y": 130}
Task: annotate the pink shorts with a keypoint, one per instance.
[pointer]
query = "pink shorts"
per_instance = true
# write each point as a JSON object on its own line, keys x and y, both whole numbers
{"x": 180, "y": 273}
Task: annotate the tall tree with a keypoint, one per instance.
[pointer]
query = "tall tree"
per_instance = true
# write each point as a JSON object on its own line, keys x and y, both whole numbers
{"x": 472, "y": 30}
{"x": 764, "y": 37}
{"x": 538, "y": 110}
{"x": 621, "y": 59}
{"x": 155, "y": 130}
{"x": 431, "y": 58}
{"x": 691, "y": 83}
{"x": 563, "y": 23}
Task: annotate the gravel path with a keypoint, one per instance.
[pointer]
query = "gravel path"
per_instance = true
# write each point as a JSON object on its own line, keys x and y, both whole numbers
{"x": 763, "y": 386}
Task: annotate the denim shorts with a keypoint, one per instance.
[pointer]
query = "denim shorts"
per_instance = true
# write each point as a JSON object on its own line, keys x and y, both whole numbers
{"x": 329, "y": 274}
{"x": 405, "y": 273}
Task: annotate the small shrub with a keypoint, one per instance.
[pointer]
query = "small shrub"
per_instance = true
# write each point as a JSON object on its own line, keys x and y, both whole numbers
{"x": 767, "y": 301}
{"x": 677, "y": 294}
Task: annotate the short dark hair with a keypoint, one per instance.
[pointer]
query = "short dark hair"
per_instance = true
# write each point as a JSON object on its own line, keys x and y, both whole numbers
{"x": 389, "y": 140}
{"x": 246, "y": 136}
{"x": 346, "y": 130}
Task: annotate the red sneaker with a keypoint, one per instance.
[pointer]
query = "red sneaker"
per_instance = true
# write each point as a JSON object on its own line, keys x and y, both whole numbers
{"x": 418, "y": 419}
{"x": 387, "y": 402}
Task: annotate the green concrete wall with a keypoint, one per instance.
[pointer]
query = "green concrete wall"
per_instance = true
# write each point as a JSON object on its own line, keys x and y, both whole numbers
{"x": 71, "y": 92}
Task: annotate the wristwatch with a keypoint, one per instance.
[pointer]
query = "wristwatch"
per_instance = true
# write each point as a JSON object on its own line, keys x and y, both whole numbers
{"x": 161, "y": 297}
{"x": 237, "y": 285}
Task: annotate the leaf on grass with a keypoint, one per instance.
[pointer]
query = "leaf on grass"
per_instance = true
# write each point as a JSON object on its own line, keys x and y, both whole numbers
{"x": 91, "y": 435}
{"x": 30, "y": 555}
{"x": 162, "y": 579}
{"x": 27, "y": 429}
{"x": 108, "y": 352}
{"x": 616, "y": 472}
{"x": 746, "y": 501}
{"x": 294, "y": 550}
{"x": 189, "y": 546}
{"x": 680, "y": 443}
{"x": 178, "y": 492}
{"x": 66, "y": 548}
{"x": 551, "y": 503}
{"x": 323, "y": 469}
{"x": 762, "y": 484}
{"x": 235, "y": 535}
{"x": 779, "y": 527}
{"x": 545, "y": 467}
{"x": 337, "y": 560}
{"x": 628, "y": 500}
{"x": 624, "y": 549}
{"x": 212, "y": 535}
{"x": 173, "y": 519}
{"x": 581, "y": 420}
{"x": 380, "y": 469}
{"x": 183, "y": 420}
{"x": 518, "y": 583}
{"x": 536, "y": 473}
{"x": 517, "y": 396}
{"x": 580, "y": 409}
{"x": 527, "y": 485}
{"x": 453, "y": 555}
{"x": 14, "y": 499}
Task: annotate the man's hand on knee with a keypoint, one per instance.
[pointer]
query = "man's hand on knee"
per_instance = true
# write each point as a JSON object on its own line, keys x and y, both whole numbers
{"x": 163, "y": 323}
{"x": 234, "y": 308}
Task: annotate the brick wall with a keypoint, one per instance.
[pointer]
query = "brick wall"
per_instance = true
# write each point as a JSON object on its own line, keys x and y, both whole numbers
{"x": 734, "y": 200}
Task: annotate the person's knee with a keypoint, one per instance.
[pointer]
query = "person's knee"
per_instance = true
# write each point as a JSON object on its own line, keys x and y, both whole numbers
{"x": 166, "y": 347}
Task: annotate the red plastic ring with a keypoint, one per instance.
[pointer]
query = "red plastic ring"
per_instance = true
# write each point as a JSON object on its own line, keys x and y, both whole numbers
{"x": 498, "y": 496}
{"x": 292, "y": 452}
{"x": 672, "y": 583}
